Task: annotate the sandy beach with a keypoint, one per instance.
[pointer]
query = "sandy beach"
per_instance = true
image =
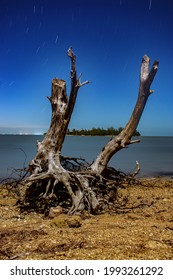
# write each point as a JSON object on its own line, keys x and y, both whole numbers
{"x": 139, "y": 227}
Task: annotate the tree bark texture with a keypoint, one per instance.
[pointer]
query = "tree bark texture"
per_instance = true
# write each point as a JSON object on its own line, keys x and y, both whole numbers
{"x": 62, "y": 108}
{"x": 124, "y": 138}
{"x": 84, "y": 188}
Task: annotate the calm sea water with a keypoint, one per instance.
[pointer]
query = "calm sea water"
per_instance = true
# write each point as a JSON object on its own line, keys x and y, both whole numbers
{"x": 155, "y": 154}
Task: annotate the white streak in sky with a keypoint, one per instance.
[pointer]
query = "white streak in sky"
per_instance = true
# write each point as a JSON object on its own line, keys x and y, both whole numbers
{"x": 46, "y": 61}
{"x": 10, "y": 84}
{"x": 34, "y": 9}
{"x": 38, "y": 49}
{"x": 150, "y": 4}
{"x": 27, "y": 30}
{"x": 56, "y": 40}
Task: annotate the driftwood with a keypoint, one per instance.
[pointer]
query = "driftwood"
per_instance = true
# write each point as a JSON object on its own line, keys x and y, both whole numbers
{"x": 71, "y": 183}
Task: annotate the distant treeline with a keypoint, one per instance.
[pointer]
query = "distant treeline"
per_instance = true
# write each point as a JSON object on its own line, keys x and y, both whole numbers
{"x": 98, "y": 132}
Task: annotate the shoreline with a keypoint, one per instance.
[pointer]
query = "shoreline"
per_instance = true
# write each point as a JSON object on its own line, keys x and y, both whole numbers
{"x": 154, "y": 154}
{"x": 151, "y": 176}
{"x": 138, "y": 178}
{"x": 107, "y": 135}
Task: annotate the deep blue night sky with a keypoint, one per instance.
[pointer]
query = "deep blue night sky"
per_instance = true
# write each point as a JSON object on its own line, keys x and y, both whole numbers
{"x": 109, "y": 38}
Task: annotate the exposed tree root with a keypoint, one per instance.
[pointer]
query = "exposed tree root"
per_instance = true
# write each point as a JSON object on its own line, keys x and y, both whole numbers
{"x": 72, "y": 183}
{"x": 74, "y": 191}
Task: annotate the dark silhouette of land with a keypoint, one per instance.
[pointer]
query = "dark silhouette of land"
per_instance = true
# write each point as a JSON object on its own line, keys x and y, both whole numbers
{"x": 98, "y": 131}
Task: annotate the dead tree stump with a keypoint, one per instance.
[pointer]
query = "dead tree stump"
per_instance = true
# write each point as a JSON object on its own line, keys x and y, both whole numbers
{"x": 90, "y": 187}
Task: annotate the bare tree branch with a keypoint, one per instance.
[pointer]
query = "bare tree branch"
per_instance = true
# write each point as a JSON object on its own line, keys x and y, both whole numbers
{"x": 124, "y": 138}
{"x": 75, "y": 85}
{"x": 72, "y": 183}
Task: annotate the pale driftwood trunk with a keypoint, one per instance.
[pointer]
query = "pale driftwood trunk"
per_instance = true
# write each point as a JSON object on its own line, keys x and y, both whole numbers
{"x": 85, "y": 188}
{"x": 124, "y": 138}
{"x": 49, "y": 150}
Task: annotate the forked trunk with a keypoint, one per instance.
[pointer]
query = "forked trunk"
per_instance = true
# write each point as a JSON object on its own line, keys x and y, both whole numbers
{"x": 89, "y": 187}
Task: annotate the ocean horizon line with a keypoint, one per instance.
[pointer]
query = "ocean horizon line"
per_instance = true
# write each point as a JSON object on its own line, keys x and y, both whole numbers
{"x": 108, "y": 135}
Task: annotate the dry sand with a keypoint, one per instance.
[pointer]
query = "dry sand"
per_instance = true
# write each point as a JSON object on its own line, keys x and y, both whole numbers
{"x": 141, "y": 227}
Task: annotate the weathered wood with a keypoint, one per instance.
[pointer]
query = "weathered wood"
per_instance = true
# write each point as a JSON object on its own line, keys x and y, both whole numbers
{"x": 87, "y": 187}
{"x": 124, "y": 138}
{"x": 62, "y": 109}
